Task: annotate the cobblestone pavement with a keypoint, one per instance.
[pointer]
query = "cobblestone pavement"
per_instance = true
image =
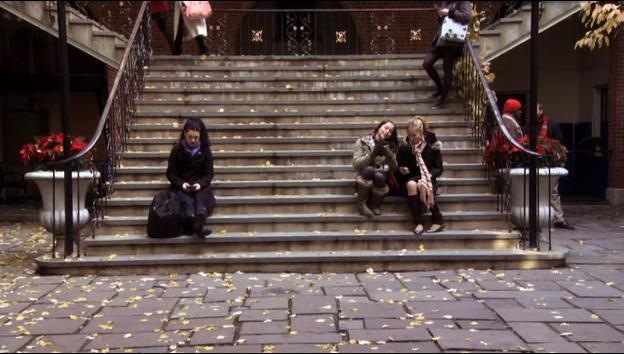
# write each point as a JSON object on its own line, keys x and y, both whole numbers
{"x": 574, "y": 309}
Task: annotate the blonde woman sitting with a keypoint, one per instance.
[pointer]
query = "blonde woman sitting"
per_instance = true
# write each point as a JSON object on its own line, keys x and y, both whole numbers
{"x": 420, "y": 164}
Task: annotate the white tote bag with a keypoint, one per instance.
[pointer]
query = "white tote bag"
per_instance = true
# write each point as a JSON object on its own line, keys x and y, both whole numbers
{"x": 453, "y": 31}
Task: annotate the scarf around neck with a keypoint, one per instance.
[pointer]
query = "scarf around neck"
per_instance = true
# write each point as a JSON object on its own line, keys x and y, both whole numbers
{"x": 191, "y": 149}
{"x": 424, "y": 185}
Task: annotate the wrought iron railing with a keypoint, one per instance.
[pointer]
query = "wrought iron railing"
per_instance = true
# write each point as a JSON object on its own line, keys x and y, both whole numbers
{"x": 486, "y": 121}
{"x": 116, "y": 16}
{"x": 317, "y": 31}
{"x": 116, "y": 119}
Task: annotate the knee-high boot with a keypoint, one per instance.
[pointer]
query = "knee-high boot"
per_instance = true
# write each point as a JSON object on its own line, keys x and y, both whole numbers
{"x": 413, "y": 201}
{"x": 363, "y": 193}
{"x": 378, "y": 195}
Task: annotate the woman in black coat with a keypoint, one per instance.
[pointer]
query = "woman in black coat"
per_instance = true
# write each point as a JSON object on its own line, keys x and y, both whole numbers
{"x": 461, "y": 12}
{"x": 190, "y": 171}
{"x": 420, "y": 164}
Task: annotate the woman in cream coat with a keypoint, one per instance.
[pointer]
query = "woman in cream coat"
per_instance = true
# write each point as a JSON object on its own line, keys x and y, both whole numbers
{"x": 186, "y": 29}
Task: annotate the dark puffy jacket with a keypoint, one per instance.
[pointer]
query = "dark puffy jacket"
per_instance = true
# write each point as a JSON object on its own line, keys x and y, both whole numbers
{"x": 432, "y": 156}
{"x": 460, "y": 11}
{"x": 183, "y": 167}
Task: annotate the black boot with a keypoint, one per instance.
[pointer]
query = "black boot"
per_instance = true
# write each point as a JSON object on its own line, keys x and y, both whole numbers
{"x": 200, "y": 219}
{"x": 413, "y": 201}
{"x": 363, "y": 193}
{"x": 201, "y": 43}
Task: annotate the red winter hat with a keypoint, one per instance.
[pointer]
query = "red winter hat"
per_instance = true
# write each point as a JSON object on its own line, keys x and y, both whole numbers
{"x": 511, "y": 105}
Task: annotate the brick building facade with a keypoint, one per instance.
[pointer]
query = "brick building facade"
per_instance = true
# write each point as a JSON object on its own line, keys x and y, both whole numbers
{"x": 615, "y": 191}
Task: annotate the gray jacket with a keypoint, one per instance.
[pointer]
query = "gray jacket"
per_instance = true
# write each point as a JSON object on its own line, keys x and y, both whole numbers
{"x": 363, "y": 156}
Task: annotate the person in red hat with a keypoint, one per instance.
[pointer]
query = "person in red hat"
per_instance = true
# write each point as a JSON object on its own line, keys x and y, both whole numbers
{"x": 512, "y": 113}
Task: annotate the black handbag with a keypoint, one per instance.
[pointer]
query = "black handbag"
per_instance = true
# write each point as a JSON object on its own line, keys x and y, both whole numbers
{"x": 165, "y": 216}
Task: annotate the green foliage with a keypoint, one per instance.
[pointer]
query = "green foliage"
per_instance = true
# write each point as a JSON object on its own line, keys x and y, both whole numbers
{"x": 602, "y": 21}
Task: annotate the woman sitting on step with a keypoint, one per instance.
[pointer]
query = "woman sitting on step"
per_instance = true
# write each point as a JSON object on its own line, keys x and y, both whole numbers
{"x": 190, "y": 171}
{"x": 420, "y": 164}
{"x": 374, "y": 156}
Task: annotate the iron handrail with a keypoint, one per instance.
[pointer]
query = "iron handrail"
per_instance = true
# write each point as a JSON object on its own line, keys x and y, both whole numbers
{"x": 493, "y": 106}
{"x": 404, "y": 9}
{"x": 111, "y": 96}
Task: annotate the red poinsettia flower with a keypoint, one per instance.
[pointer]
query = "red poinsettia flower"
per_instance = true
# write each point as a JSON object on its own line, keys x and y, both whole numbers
{"x": 49, "y": 148}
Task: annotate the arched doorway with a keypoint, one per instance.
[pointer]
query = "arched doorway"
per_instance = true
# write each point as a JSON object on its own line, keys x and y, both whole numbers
{"x": 269, "y": 28}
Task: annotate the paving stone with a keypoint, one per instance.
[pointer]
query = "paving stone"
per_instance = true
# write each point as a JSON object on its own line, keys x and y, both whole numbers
{"x": 224, "y": 294}
{"x": 13, "y": 344}
{"x": 321, "y": 323}
{"x": 140, "y": 350}
{"x": 154, "y": 306}
{"x": 403, "y": 347}
{"x": 590, "y": 289}
{"x": 276, "y": 327}
{"x": 387, "y": 323}
{"x": 136, "y": 340}
{"x": 546, "y": 274}
{"x": 28, "y": 293}
{"x": 281, "y": 291}
{"x": 63, "y": 310}
{"x": 539, "y": 284}
{"x": 411, "y": 296}
{"x": 9, "y": 307}
{"x": 78, "y": 296}
{"x": 521, "y": 294}
{"x": 532, "y": 332}
{"x": 390, "y": 335}
{"x": 560, "y": 315}
{"x": 193, "y": 323}
{"x": 194, "y": 308}
{"x": 589, "y": 332}
{"x": 350, "y": 324}
{"x": 300, "y": 348}
{"x": 256, "y": 348}
{"x": 49, "y": 279}
{"x": 56, "y": 343}
{"x": 455, "y": 339}
{"x": 314, "y": 304}
{"x": 263, "y": 315}
{"x": 481, "y": 325}
{"x": 44, "y": 326}
{"x": 493, "y": 285}
{"x": 192, "y": 292}
{"x": 333, "y": 279}
{"x": 598, "y": 303}
{"x": 345, "y": 301}
{"x": 456, "y": 310}
{"x": 377, "y": 277}
{"x": 305, "y": 338}
{"x": 547, "y": 303}
{"x": 128, "y": 324}
{"x": 615, "y": 317}
{"x": 372, "y": 310}
{"x": 557, "y": 347}
{"x": 344, "y": 290}
{"x": 267, "y": 303}
{"x": 604, "y": 347}
{"x": 128, "y": 297}
{"x": 501, "y": 303}
{"x": 608, "y": 274}
{"x": 422, "y": 284}
{"x": 208, "y": 336}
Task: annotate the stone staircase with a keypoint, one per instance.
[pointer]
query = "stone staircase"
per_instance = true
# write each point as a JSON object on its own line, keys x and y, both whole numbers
{"x": 282, "y": 131}
{"x": 514, "y": 30}
{"x": 83, "y": 33}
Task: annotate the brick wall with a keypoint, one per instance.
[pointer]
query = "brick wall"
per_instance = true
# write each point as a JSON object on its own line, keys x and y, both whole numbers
{"x": 616, "y": 112}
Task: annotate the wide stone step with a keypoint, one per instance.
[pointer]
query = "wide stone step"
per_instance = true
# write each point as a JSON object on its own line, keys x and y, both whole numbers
{"x": 314, "y": 222}
{"x": 268, "y": 129}
{"x": 372, "y": 117}
{"x": 288, "y": 60}
{"x": 290, "y": 106}
{"x": 287, "y": 83}
{"x": 103, "y": 245}
{"x": 292, "y": 157}
{"x": 328, "y": 203}
{"x": 304, "y": 262}
{"x": 130, "y": 186}
{"x": 288, "y": 143}
{"x": 285, "y": 95}
{"x": 308, "y": 71}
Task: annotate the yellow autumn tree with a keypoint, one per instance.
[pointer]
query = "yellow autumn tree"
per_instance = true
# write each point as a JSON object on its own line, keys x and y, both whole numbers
{"x": 603, "y": 21}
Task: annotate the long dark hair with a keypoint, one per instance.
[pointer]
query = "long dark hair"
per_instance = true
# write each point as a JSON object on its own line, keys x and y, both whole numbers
{"x": 197, "y": 125}
{"x": 392, "y": 140}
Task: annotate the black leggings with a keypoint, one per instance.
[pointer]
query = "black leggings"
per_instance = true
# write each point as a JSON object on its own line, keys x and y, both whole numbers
{"x": 450, "y": 55}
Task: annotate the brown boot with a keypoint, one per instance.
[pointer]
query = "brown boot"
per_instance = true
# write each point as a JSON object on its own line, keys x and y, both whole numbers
{"x": 363, "y": 193}
{"x": 378, "y": 195}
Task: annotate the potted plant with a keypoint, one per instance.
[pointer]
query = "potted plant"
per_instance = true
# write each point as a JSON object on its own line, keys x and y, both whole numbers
{"x": 36, "y": 156}
{"x": 512, "y": 166}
